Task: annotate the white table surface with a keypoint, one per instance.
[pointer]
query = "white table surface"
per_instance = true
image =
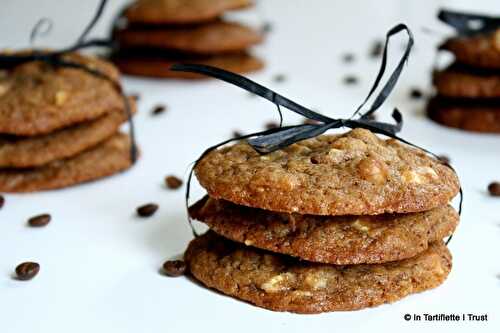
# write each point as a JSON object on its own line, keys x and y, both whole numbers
{"x": 100, "y": 263}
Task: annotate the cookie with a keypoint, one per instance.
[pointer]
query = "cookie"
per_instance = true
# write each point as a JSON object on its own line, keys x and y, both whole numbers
{"x": 457, "y": 81}
{"x": 281, "y": 283}
{"x": 476, "y": 116}
{"x": 36, "y": 98}
{"x": 35, "y": 151}
{"x": 159, "y": 67}
{"x": 108, "y": 158}
{"x": 210, "y": 38}
{"x": 180, "y": 11}
{"x": 356, "y": 173}
{"x": 341, "y": 240}
{"x": 479, "y": 51}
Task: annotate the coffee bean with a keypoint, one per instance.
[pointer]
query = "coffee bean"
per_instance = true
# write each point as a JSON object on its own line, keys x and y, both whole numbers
{"x": 159, "y": 109}
{"x": 27, "y": 270}
{"x": 416, "y": 93}
{"x": 377, "y": 49}
{"x": 271, "y": 125}
{"x": 2, "y": 201}
{"x": 278, "y": 78}
{"x": 173, "y": 182}
{"x": 39, "y": 220}
{"x": 147, "y": 210}
{"x": 348, "y": 58}
{"x": 350, "y": 79}
{"x": 494, "y": 189}
{"x": 444, "y": 159}
{"x": 174, "y": 268}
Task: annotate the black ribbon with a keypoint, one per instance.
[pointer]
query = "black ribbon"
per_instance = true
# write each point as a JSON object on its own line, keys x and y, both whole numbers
{"x": 272, "y": 139}
{"x": 467, "y": 24}
{"x": 55, "y": 58}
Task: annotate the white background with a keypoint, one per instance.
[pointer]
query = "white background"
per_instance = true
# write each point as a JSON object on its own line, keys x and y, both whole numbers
{"x": 100, "y": 263}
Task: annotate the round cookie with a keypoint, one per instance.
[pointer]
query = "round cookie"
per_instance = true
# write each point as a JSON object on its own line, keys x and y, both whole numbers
{"x": 160, "y": 67}
{"x": 36, "y": 98}
{"x": 480, "y": 50}
{"x": 340, "y": 240}
{"x": 281, "y": 283}
{"x": 180, "y": 11}
{"x": 210, "y": 38}
{"x": 356, "y": 173}
{"x": 39, "y": 150}
{"x": 456, "y": 81}
{"x": 465, "y": 115}
{"x": 108, "y": 158}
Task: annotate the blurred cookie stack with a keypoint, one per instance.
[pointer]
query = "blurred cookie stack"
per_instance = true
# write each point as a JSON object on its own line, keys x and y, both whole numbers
{"x": 333, "y": 223}
{"x": 59, "y": 125}
{"x": 160, "y": 33}
{"x": 468, "y": 91}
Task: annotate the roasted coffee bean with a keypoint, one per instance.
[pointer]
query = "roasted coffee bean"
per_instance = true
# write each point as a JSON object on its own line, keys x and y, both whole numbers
{"x": 377, "y": 49}
{"x": 444, "y": 159}
{"x": 278, "y": 78}
{"x": 159, "y": 109}
{"x": 27, "y": 270}
{"x": 2, "y": 201}
{"x": 174, "y": 268}
{"x": 351, "y": 79}
{"x": 39, "y": 220}
{"x": 416, "y": 93}
{"x": 173, "y": 182}
{"x": 348, "y": 57}
{"x": 494, "y": 189}
{"x": 271, "y": 125}
{"x": 147, "y": 210}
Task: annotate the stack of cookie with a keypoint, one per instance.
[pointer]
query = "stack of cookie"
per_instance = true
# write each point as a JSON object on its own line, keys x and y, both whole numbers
{"x": 337, "y": 222}
{"x": 59, "y": 125}
{"x": 468, "y": 91}
{"x": 160, "y": 33}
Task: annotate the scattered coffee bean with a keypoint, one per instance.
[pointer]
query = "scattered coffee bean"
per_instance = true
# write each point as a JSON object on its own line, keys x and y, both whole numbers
{"x": 174, "y": 268}
{"x": 494, "y": 189}
{"x": 266, "y": 27}
{"x": 159, "y": 109}
{"x": 444, "y": 159}
{"x": 2, "y": 201}
{"x": 350, "y": 79}
{"x": 377, "y": 49}
{"x": 39, "y": 220}
{"x": 278, "y": 78}
{"x": 416, "y": 93}
{"x": 348, "y": 58}
{"x": 27, "y": 270}
{"x": 237, "y": 134}
{"x": 173, "y": 182}
{"x": 271, "y": 125}
{"x": 147, "y": 210}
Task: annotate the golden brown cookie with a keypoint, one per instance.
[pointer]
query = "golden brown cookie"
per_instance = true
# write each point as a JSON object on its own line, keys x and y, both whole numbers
{"x": 471, "y": 115}
{"x": 356, "y": 173}
{"x": 160, "y": 67}
{"x": 16, "y": 152}
{"x": 480, "y": 51}
{"x": 106, "y": 159}
{"x": 210, "y": 38}
{"x": 457, "y": 81}
{"x": 36, "y": 98}
{"x": 341, "y": 240}
{"x": 180, "y": 11}
{"x": 281, "y": 283}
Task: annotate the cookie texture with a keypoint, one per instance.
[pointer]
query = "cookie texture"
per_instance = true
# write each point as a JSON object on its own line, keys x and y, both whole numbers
{"x": 210, "y": 38}
{"x": 180, "y": 11}
{"x": 466, "y": 115}
{"x": 35, "y": 151}
{"x": 481, "y": 50}
{"x": 340, "y": 240}
{"x": 160, "y": 67}
{"x": 457, "y": 81}
{"x": 356, "y": 173}
{"x": 106, "y": 159}
{"x": 36, "y": 98}
{"x": 281, "y": 283}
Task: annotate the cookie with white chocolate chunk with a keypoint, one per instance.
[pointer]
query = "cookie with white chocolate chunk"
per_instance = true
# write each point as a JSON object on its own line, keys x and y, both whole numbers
{"x": 356, "y": 173}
